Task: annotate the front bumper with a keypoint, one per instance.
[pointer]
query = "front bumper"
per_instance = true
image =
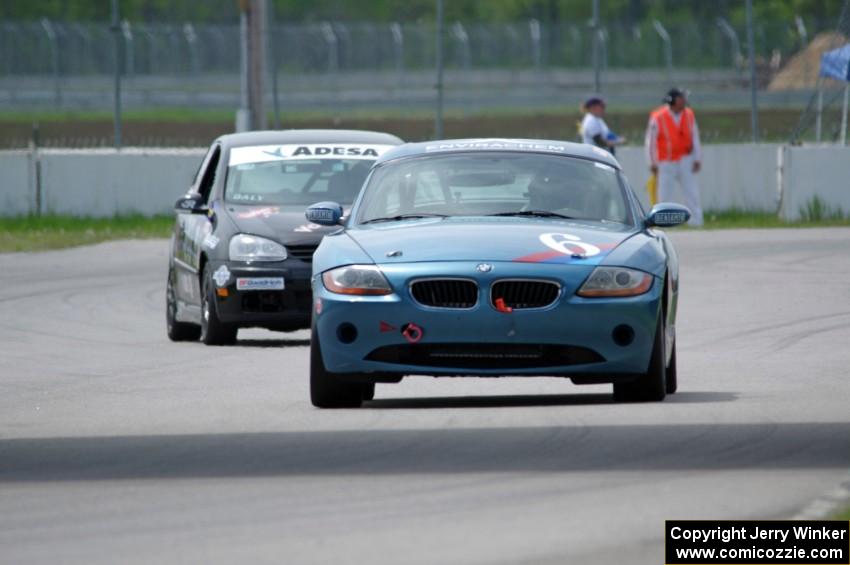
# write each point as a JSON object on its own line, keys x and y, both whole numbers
{"x": 574, "y": 337}
{"x": 285, "y": 310}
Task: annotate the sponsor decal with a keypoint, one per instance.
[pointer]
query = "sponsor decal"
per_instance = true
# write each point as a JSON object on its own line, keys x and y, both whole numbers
{"x": 221, "y": 275}
{"x": 278, "y": 152}
{"x": 497, "y": 145}
{"x": 247, "y": 197}
{"x": 669, "y": 217}
{"x": 259, "y": 283}
{"x": 318, "y": 306}
{"x": 265, "y": 153}
{"x": 211, "y": 241}
{"x": 385, "y": 327}
{"x": 341, "y": 151}
{"x": 266, "y": 212}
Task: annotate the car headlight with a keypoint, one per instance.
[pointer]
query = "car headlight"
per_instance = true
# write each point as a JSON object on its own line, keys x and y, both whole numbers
{"x": 357, "y": 279}
{"x": 615, "y": 281}
{"x": 244, "y": 247}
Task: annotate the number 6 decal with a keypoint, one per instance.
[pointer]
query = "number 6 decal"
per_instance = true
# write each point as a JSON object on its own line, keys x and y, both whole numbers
{"x": 568, "y": 244}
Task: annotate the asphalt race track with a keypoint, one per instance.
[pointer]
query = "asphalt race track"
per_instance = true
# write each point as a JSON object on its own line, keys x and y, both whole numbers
{"x": 119, "y": 446}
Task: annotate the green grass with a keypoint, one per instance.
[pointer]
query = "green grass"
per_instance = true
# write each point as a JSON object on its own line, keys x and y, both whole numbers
{"x": 845, "y": 515}
{"x": 742, "y": 219}
{"x": 32, "y": 233}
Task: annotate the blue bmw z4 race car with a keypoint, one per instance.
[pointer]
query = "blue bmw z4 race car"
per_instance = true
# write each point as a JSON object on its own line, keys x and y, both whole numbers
{"x": 494, "y": 257}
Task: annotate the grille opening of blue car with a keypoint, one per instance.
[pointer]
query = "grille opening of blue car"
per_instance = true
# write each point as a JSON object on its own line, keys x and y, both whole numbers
{"x": 445, "y": 293}
{"x": 525, "y": 294}
{"x": 485, "y": 355}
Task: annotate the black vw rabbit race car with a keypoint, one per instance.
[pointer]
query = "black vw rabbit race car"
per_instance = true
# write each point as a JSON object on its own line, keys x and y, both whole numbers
{"x": 241, "y": 251}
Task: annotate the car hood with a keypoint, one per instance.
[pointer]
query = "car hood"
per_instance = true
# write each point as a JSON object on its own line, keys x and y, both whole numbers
{"x": 286, "y": 225}
{"x": 532, "y": 240}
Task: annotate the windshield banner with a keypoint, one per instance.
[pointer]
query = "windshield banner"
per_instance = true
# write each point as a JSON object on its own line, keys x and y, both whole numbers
{"x": 265, "y": 153}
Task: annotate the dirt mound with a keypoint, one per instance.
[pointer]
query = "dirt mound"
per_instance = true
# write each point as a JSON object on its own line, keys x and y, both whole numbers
{"x": 801, "y": 72}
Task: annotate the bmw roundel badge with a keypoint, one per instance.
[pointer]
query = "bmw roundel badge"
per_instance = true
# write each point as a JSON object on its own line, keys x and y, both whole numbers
{"x": 484, "y": 267}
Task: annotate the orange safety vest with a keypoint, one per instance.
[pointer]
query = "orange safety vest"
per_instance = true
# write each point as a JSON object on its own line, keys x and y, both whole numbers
{"x": 673, "y": 142}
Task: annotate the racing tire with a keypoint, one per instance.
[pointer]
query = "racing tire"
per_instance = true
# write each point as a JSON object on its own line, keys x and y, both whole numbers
{"x": 177, "y": 331}
{"x": 672, "y": 384}
{"x": 327, "y": 390}
{"x": 651, "y": 386}
{"x": 368, "y": 391}
{"x": 213, "y": 330}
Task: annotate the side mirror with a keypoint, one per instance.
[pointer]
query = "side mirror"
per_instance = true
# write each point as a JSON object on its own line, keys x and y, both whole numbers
{"x": 190, "y": 203}
{"x": 667, "y": 215}
{"x": 324, "y": 213}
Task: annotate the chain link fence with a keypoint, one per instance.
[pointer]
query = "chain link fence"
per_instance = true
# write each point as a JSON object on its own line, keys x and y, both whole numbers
{"x": 335, "y": 68}
{"x": 85, "y": 48}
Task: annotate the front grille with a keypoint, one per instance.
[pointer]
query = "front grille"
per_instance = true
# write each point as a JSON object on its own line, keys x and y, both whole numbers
{"x": 275, "y": 301}
{"x": 445, "y": 293}
{"x": 484, "y": 355}
{"x": 263, "y": 302}
{"x": 523, "y": 294}
{"x": 303, "y": 252}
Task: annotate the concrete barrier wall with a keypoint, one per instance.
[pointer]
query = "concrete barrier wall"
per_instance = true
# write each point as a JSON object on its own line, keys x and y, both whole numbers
{"x": 97, "y": 182}
{"x": 733, "y": 176}
{"x": 105, "y": 182}
{"x": 16, "y": 195}
{"x": 806, "y": 172}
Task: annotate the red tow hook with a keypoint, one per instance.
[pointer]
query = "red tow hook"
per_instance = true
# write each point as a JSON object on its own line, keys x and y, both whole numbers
{"x": 502, "y": 307}
{"x": 412, "y": 333}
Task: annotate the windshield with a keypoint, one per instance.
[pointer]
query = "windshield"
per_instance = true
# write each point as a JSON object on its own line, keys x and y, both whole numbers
{"x": 297, "y": 182}
{"x": 485, "y": 184}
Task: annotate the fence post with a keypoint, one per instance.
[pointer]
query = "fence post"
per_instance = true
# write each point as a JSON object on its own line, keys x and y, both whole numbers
{"x": 129, "y": 51}
{"x": 243, "y": 114}
{"x": 460, "y": 34}
{"x": 332, "y": 43}
{"x": 603, "y": 49}
{"x": 732, "y": 36}
{"x": 844, "y": 113}
{"x": 536, "y": 35}
{"x": 438, "y": 119}
{"x": 116, "y": 33}
{"x": 36, "y": 163}
{"x": 398, "y": 43}
{"x": 804, "y": 42}
{"x": 54, "y": 56}
{"x": 668, "y": 49}
{"x": 819, "y": 116}
{"x": 594, "y": 24}
{"x": 191, "y": 40}
{"x": 271, "y": 29}
{"x": 751, "y": 50}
